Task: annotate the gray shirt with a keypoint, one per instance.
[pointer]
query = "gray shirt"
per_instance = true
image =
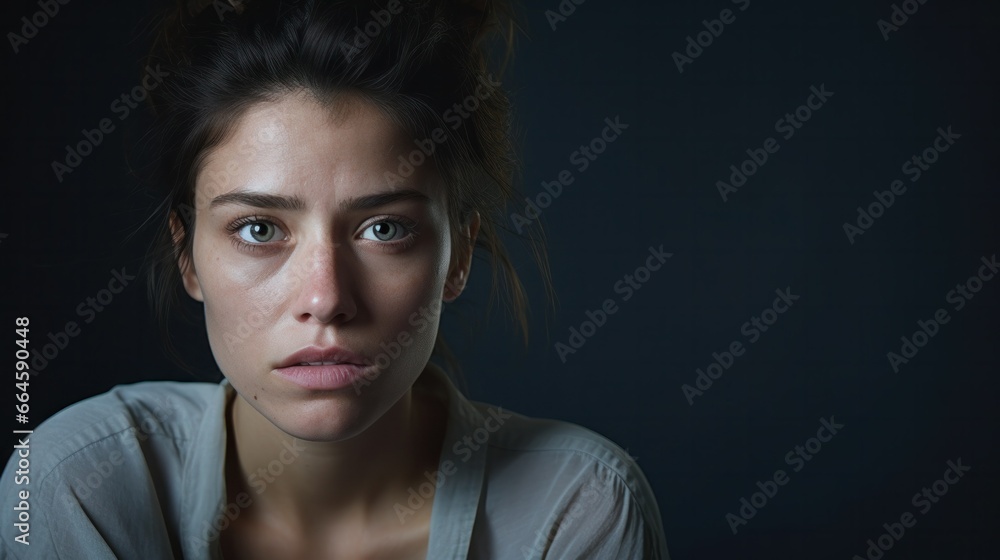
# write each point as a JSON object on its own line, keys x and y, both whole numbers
{"x": 138, "y": 473}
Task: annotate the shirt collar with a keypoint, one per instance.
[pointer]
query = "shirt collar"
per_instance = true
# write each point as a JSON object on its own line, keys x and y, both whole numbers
{"x": 461, "y": 471}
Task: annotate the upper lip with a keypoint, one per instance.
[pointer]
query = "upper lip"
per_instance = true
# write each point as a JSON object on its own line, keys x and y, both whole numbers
{"x": 315, "y": 354}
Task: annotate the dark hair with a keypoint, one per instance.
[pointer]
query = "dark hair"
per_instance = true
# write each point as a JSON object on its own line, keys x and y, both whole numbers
{"x": 414, "y": 60}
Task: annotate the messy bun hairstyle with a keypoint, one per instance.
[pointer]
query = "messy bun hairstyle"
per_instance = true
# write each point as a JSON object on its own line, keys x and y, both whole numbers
{"x": 414, "y": 60}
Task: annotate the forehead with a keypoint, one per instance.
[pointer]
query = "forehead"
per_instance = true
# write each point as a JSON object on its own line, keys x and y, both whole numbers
{"x": 295, "y": 143}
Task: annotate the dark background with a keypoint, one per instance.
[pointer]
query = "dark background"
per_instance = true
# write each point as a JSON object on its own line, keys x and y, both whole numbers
{"x": 655, "y": 185}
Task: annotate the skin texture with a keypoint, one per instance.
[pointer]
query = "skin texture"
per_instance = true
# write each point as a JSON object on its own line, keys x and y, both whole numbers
{"x": 320, "y": 275}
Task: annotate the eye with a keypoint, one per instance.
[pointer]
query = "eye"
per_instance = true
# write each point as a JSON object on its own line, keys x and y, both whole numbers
{"x": 259, "y": 232}
{"x": 386, "y": 230}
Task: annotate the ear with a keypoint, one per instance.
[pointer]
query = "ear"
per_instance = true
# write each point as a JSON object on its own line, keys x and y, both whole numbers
{"x": 458, "y": 274}
{"x": 189, "y": 277}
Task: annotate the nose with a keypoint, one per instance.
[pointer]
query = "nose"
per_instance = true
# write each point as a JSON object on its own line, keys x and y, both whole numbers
{"x": 324, "y": 279}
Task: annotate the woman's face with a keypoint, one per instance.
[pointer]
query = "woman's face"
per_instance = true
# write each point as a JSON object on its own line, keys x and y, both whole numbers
{"x": 302, "y": 242}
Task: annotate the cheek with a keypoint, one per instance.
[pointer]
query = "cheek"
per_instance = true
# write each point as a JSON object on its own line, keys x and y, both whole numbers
{"x": 401, "y": 287}
{"x": 236, "y": 308}
{"x": 405, "y": 305}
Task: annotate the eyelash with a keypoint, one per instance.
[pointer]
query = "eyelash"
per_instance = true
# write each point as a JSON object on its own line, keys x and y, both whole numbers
{"x": 408, "y": 225}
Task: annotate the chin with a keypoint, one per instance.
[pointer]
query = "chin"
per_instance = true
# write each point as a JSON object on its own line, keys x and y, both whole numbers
{"x": 326, "y": 419}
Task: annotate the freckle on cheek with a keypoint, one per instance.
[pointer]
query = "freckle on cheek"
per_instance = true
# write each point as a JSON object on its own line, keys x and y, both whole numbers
{"x": 255, "y": 397}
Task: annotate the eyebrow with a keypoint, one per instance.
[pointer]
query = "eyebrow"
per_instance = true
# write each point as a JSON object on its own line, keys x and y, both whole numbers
{"x": 281, "y": 202}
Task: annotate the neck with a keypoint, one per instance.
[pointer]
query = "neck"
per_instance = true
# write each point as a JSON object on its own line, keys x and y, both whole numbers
{"x": 307, "y": 484}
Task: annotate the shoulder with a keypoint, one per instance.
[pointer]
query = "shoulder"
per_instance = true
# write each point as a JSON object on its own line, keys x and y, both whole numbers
{"x": 584, "y": 494}
{"x": 525, "y": 440}
{"x": 148, "y": 410}
{"x": 104, "y": 464}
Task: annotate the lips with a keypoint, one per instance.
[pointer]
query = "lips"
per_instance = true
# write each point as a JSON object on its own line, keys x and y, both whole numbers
{"x": 316, "y": 356}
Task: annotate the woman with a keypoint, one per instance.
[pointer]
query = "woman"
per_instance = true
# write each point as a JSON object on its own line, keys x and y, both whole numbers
{"x": 329, "y": 168}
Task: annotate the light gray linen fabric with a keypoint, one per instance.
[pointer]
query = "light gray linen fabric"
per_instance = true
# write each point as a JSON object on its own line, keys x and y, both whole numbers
{"x": 137, "y": 473}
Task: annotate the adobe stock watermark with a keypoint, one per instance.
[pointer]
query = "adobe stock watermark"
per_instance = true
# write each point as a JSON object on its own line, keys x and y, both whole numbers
{"x": 797, "y": 459}
{"x": 751, "y": 329}
{"x": 463, "y": 449}
{"x": 392, "y": 350}
{"x": 2, "y": 237}
{"x": 912, "y": 168}
{"x": 30, "y": 27}
{"x": 958, "y": 297}
{"x": 454, "y": 117}
{"x": 565, "y": 9}
{"x": 420, "y": 320}
{"x": 86, "y": 310}
{"x": 786, "y": 126}
{"x": 134, "y": 437}
{"x": 898, "y": 17}
{"x": 259, "y": 482}
{"x": 121, "y": 106}
{"x": 582, "y": 157}
{"x": 697, "y": 44}
{"x": 923, "y": 500}
{"x": 626, "y": 286}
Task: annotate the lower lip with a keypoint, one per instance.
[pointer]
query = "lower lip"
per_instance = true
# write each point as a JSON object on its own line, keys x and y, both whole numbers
{"x": 323, "y": 378}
